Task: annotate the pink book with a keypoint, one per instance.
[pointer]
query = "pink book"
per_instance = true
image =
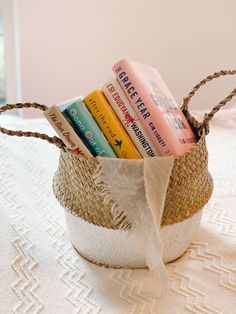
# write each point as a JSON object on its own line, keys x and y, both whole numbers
{"x": 159, "y": 113}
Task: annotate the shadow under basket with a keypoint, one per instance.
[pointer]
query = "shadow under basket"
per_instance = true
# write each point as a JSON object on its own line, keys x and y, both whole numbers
{"x": 95, "y": 233}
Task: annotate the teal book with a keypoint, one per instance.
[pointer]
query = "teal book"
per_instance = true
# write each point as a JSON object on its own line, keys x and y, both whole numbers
{"x": 85, "y": 125}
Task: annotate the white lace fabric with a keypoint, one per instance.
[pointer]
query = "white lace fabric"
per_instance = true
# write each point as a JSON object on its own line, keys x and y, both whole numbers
{"x": 42, "y": 273}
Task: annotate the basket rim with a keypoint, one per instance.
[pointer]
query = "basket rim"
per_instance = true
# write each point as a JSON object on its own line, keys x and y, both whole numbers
{"x": 191, "y": 119}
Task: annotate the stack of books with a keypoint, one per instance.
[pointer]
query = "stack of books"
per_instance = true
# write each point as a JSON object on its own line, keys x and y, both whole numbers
{"x": 133, "y": 116}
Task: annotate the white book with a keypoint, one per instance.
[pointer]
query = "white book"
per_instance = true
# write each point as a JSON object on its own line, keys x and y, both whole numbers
{"x": 65, "y": 131}
{"x": 125, "y": 112}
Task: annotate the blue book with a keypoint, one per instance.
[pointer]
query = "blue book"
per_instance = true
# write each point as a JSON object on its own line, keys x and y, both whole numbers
{"x": 85, "y": 125}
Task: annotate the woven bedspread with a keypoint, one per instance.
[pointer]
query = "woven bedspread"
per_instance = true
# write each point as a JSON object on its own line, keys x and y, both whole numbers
{"x": 40, "y": 272}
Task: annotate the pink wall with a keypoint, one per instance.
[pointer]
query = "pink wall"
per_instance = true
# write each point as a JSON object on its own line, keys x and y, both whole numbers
{"x": 68, "y": 47}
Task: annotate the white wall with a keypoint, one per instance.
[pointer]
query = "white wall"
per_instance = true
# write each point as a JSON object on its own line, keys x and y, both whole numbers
{"x": 67, "y": 47}
{"x": 10, "y": 48}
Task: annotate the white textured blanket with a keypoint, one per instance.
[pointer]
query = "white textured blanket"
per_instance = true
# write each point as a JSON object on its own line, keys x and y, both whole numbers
{"x": 42, "y": 273}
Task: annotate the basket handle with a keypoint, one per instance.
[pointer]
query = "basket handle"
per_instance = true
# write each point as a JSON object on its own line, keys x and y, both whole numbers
{"x": 52, "y": 140}
{"x": 210, "y": 115}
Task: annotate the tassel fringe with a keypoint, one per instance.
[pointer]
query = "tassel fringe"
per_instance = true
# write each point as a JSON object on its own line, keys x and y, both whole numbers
{"x": 118, "y": 214}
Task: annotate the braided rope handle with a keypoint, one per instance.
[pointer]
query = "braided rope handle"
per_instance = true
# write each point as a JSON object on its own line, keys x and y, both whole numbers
{"x": 52, "y": 140}
{"x": 210, "y": 115}
{"x": 59, "y": 143}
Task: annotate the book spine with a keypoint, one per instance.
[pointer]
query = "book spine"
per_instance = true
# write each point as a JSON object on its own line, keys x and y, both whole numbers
{"x": 111, "y": 126}
{"x": 85, "y": 125}
{"x": 156, "y": 108}
{"x": 65, "y": 131}
{"x": 128, "y": 118}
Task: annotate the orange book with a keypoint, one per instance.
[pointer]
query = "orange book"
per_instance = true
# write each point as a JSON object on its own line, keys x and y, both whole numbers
{"x": 111, "y": 125}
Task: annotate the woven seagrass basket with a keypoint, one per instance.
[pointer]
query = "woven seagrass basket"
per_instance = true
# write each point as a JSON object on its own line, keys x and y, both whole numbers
{"x": 91, "y": 225}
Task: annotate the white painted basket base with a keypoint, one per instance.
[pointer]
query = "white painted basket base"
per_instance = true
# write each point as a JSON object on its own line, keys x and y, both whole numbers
{"x": 119, "y": 248}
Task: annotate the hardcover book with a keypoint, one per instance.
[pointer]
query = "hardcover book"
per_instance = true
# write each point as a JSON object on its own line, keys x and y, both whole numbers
{"x": 111, "y": 126}
{"x": 155, "y": 106}
{"x": 65, "y": 131}
{"x": 129, "y": 118}
{"x": 87, "y": 127}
